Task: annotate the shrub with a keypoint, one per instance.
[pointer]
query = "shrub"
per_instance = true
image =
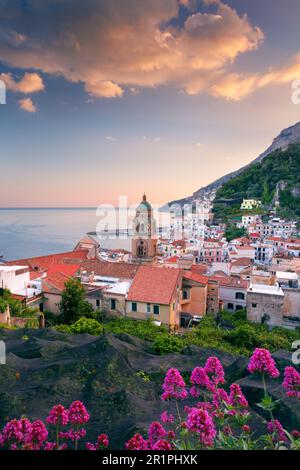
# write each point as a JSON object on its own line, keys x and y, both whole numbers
{"x": 86, "y": 325}
{"x": 166, "y": 344}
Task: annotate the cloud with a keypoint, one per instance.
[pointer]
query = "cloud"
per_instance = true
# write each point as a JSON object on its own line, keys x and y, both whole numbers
{"x": 105, "y": 89}
{"x": 29, "y": 83}
{"x": 238, "y": 86}
{"x": 110, "y": 138}
{"x": 111, "y": 45}
{"x": 26, "y": 104}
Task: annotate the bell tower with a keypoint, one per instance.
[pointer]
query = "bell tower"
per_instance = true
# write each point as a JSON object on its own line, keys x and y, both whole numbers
{"x": 144, "y": 242}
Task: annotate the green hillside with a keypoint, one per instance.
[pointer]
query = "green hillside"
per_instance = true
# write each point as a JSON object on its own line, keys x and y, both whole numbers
{"x": 279, "y": 170}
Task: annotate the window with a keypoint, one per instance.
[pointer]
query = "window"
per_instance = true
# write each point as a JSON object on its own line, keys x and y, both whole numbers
{"x": 134, "y": 307}
{"x": 254, "y": 305}
{"x": 239, "y": 307}
{"x": 148, "y": 308}
{"x": 230, "y": 306}
{"x": 113, "y": 304}
{"x": 185, "y": 295}
{"x": 97, "y": 303}
{"x": 240, "y": 295}
{"x": 156, "y": 309}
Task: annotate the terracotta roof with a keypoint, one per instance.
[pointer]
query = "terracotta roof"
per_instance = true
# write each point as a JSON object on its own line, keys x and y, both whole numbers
{"x": 196, "y": 277}
{"x": 109, "y": 269}
{"x": 230, "y": 281}
{"x": 181, "y": 243}
{"x": 173, "y": 259}
{"x": 35, "y": 275}
{"x": 56, "y": 280}
{"x": 199, "y": 268}
{"x": 44, "y": 262}
{"x": 154, "y": 285}
{"x": 243, "y": 240}
{"x": 67, "y": 269}
{"x": 241, "y": 262}
{"x": 275, "y": 239}
{"x": 220, "y": 273}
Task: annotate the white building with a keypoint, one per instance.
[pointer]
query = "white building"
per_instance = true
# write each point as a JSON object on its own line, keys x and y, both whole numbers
{"x": 265, "y": 304}
{"x": 250, "y": 204}
{"x": 263, "y": 253}
{"x": 14, "y": 278}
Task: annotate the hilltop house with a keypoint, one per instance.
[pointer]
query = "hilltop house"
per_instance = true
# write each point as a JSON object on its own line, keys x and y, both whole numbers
{"x": 250, "y": 204}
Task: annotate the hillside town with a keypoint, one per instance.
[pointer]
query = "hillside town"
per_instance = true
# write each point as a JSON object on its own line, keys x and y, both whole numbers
{"x": 174, "y": 280}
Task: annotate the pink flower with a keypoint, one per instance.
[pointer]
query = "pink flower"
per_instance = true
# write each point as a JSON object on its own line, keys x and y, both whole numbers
{"x": 162, "y": 444}
{"x": 156, "y": 432}
{"x": 200, "y": 422}
{"x": 205, "y": 405}
{"x": 73, "y": 435}
{"x": 102, "y": 441}
{"x": 171, "y": 435}
{"x": 78, "y": 413}
{"x": 291, "y": 382}
{"x": 174, "y": 386}
{"x": 295, "y": 433}
{"x": 236, "y": 397}
{"x": 38, "y": 434}
{"x": 167, "y": 418}
{"x": 90, "y": 446}
{"x": 246, "y": 428}
{"x": 12, "y": 431}
{"x": 50, "y": 446}
{"x": 58, "y": 415}
{"x": 137, "y": 442}
{"x": 219, "y": 396}
{"x": 215, "y": 371}
{"x": 262, "y": 361}
{"x": 278, "y": 431}
{"x": 200, "y": 379}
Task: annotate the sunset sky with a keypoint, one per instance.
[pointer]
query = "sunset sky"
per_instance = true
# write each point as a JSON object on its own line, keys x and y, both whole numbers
{"x": 118, "y": 97}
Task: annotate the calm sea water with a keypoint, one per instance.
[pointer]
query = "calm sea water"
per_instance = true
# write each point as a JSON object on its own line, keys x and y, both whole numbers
{"x": 35, "y": 232}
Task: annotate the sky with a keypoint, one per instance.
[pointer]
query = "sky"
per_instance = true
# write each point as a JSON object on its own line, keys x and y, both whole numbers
{"x": 120, "y": 97}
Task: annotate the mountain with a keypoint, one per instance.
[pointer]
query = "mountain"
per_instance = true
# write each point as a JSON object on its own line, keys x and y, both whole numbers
{"x": 274, "y": 179}
{"x": 282, "y": 141}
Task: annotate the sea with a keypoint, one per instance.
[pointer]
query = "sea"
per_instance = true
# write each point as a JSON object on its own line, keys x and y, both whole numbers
{"x": 28, "y": 232}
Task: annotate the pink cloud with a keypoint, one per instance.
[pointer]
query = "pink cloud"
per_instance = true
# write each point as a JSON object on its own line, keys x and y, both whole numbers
{"x": 26, "y": 104}
{"x": 108, "y": 46}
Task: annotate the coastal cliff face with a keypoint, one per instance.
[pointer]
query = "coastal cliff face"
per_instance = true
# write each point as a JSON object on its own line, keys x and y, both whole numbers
{"x": 45, "y": 368}
{"x": 286, "y": 137}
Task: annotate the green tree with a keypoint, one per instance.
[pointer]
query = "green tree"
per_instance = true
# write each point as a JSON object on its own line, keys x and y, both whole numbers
{"x": 233, "y": 232}
{"x": 73, "y": 304}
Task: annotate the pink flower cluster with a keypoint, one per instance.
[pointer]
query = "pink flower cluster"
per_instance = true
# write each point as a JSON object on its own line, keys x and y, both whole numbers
{"x": 24, "y": 435}
{"x": 236, "y": 397}
{"x": 275, "y": 428}
{"x": 220, "y": 414}
{"x": 58, "y": 415}
{"x": 78, "y": 413}
{"x": 207, "y": 378}
{"x": 174, "y": 386}
{"x": 291, "y": 382}
{"x": 199, "y": 421}
{"x": 262, "y": 362}
{"x": 102, "y": 443}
